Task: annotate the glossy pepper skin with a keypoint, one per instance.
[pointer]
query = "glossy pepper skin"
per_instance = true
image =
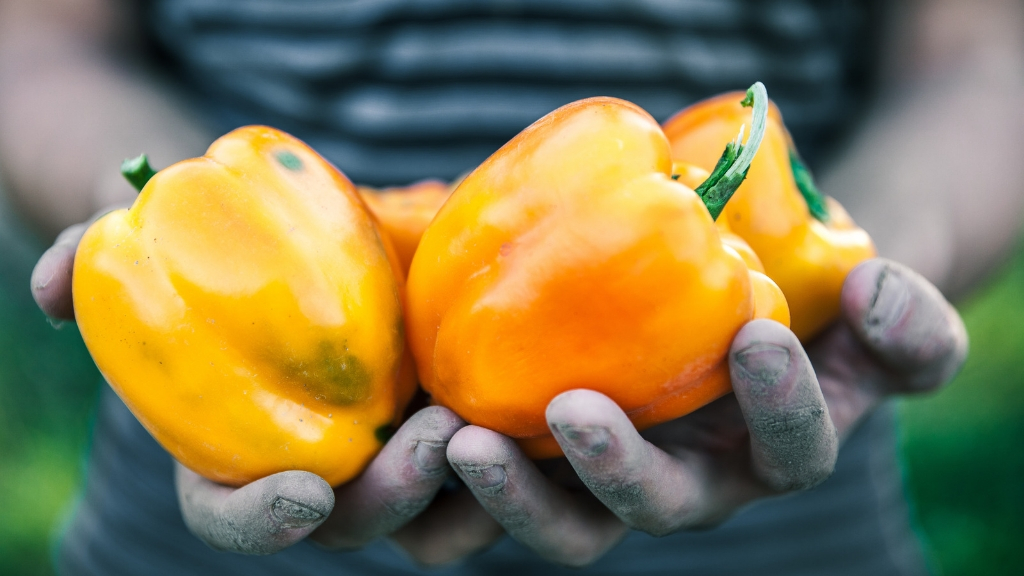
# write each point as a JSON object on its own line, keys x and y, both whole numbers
{"x": 249, "y": 312}
{"x": 766, "y": 293}
{"x": 806, "y": 241}
{"x": 405, "y": 212}
{"x": 572, "y": 259}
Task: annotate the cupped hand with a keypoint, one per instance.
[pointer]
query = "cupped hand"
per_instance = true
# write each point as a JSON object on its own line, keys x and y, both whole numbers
{"x": 394, "y": 497}
{"x": 273, "y": 513}
{"x": 779, "y": 432}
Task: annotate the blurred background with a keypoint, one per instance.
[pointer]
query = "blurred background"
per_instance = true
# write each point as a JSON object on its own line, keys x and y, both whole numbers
{"x": 961, "y": 447}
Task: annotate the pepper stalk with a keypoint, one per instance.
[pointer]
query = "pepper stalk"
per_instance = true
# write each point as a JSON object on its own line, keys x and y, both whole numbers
{"x": 733, "y": 165}
{"x": 137, "y": 171}
{"x": 816, "y": 204}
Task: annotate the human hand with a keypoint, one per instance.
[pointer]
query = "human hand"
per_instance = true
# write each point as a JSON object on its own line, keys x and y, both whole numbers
{"x": 277, "y": 511}
{"x": 779, "y": 432}
{"x": 272, "y": 513}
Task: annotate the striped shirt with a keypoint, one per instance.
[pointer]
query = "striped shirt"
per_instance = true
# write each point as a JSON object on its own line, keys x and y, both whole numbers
{"x": 393, "y": 91}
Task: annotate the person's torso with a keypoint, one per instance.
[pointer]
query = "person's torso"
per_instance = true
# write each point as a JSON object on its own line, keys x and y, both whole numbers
{"x": 397, "y": 90}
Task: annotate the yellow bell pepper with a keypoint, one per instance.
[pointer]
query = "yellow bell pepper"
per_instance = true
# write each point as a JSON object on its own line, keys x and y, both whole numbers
{"x": 572, "y": 259}
{"x": 806, "y": 241}
{"x": 405, "y": 212}
{"x": 248, "y": 311}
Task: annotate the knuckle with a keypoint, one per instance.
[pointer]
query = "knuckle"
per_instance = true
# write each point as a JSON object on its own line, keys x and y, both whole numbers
{"x": 781, "y": 430}
{"x": 626, "y": 498}
{"x": 797, "y": 448}
{"x": 631, "y": 503}
{"x": 514, "y": 519}
{"x": 802, "y": 477}
{"x": 401, "y": 507}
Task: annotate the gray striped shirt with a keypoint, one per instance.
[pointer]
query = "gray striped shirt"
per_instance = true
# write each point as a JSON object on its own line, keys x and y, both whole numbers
{"x": 398, "y": 90}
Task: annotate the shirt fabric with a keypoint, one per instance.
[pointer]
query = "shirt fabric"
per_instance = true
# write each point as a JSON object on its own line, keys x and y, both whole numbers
{"x": 393, "y": 91}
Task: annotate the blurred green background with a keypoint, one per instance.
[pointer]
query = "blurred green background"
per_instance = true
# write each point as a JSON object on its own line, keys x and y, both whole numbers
{"x": 962, "y": 447}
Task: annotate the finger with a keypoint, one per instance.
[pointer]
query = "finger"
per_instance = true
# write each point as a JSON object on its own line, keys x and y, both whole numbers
{"x": 793, "y": 442}
{"x": 562, "y": 527}
{"x": 649, "y": 489}
{"x": 262, "y": 517}
{"x": 454, "y": 526}
{"x": 906, "y": 323}
{"x": 398, "y": 485}
{"x": 51, "y": 277}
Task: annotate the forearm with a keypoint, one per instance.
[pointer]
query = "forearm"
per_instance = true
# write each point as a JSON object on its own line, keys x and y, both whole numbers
{"x": 70, "y": 112}
{"x": 934, "y": 174}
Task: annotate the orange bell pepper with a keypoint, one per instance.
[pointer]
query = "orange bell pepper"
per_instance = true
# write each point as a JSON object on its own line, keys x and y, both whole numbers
{"x": 249, "y": 312}
{"x": 405, "y": 212}
{"x": 693, "y": 176}
{"x": 806, "y": 241}
{"x": 572, "y": 259}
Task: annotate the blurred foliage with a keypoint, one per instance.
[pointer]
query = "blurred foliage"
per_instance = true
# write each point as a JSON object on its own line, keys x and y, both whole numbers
{"x": 48, "y": 388}
{"x": 962, "y": 446}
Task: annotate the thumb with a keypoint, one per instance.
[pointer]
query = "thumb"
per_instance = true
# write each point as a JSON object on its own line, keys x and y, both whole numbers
{"x": 51, "y": 277}
{"x": 262, "y": 517}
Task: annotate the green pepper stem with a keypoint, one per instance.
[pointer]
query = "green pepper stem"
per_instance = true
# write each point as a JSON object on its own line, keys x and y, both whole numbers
{"x": 734, "y": 163}
{"x": 137, "y": 171}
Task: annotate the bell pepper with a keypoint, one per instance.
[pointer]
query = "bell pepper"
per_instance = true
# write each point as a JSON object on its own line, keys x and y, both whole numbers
{"x": 248, "y": 310}
{"x": 405, "y": 212}
{"x": 572, "y": 259}
{"x": 806, "y": 241}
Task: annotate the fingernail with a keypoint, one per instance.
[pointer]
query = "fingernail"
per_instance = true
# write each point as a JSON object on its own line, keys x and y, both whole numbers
{"x": 39, "y": 281}
{"x": 765, "y": 363}
{"x": 430, "y": 457}
{"x": 588, "y": 440}
{"x": 292, "y": 514}
{"x": 39, "y": 284}
{"x": 491, "y": 477}
{"x": 889, "y": 303}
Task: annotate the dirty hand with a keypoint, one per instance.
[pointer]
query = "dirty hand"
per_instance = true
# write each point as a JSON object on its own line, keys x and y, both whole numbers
{"x": 779, "y": 432}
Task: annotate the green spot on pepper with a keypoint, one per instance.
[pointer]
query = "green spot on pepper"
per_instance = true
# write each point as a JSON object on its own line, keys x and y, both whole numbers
{"x": 289, "y": 160}
{"x": 384, "y": 432}
{"x": 336, "y": 376}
